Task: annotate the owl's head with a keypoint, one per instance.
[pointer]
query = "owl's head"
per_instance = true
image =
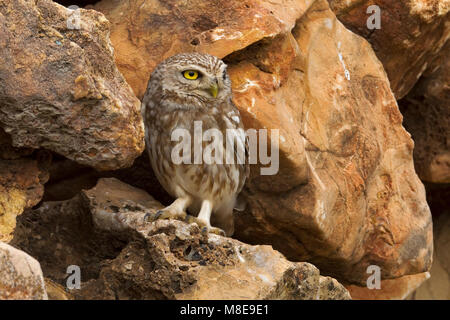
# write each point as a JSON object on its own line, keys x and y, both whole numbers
{"x": 194, "y": 76}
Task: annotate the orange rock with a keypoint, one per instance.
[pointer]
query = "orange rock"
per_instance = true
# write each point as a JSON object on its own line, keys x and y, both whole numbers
{"x": 395, "y": 289}
{"x": 60, "y": 88}
{"x": 411, "y": 34}
{"x": 146, "y": 33}
{"x": 346, "y": 195}
{"x": 21, "y": 186}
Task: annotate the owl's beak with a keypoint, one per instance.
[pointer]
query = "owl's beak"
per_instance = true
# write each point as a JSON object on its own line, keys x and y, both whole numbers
{"x": 214, "y": 90}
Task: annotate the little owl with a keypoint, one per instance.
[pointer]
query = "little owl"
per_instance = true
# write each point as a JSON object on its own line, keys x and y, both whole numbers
{"x": 186, "y": 90}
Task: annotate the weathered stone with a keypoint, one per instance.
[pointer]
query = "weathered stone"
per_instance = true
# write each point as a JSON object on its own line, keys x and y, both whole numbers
{"x": 7, "y": 151}
{"x": 426, "y": 111}
{"x": 438, "y": 287}
{"x": 394, "y": 289}
{"x": 56, "y": 291}
{"x": 411, "y": 34}
{"x": 21, "y": 186}
{"x": 20, "y": 275}
{"x": 60, "y": 88}
{"x": 346, "y": 195}
{"x": 154, "y": 30}
{"x": 360, "y": 202}
{"x": 123, "y": 256}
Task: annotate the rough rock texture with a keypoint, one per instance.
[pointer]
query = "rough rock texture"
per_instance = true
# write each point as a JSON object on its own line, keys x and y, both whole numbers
{"x": 68, "y": 178}
{"x": 20, "y": 275}
{"x": 346, "y": 195}
{"x": 426, "y": 111}
{"x": 123, "y": 257}
{"x": 56, "y": 291}
{"x": 412, "y": 33}
{"x": 22, "y": 176}
{"x": 438, "y": 287}
{"x": 394, "y": 289}
{"x": 146, "y": 33}
{"x": 60, "y": 88}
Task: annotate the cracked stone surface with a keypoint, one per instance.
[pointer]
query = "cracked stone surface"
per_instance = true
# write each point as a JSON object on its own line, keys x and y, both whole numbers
{"x": 60, "y": 88}
{"x": 346, "y": 194}
{"x": 20, "y": 275}
{"x": 121, "y": 256}
{"x": 412, "y": 34}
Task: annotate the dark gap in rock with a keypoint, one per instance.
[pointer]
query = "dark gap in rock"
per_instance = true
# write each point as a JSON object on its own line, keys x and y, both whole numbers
{"x": 60, "y": 234}
{"x": 68, "y": 178}
{"x": 437, "y": 198}
{"x": 254, "y": 53}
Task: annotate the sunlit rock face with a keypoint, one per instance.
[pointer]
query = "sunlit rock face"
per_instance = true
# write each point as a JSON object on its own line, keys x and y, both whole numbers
{"x": 409, "y": 36}
{"x": 123, "y": 255}
{"x": 346, "y": 195}
{"x": 60, "y": 88}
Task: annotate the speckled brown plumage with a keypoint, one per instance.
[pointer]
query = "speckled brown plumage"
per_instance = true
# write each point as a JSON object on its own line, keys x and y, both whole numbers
{"x": 175, "y": 102}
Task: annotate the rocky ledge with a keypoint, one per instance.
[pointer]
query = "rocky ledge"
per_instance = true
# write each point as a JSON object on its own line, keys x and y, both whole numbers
{"x": 106, "y": 233}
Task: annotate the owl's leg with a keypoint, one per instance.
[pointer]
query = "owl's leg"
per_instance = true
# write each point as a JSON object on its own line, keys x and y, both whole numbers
{"x": 204, "y": 217}
{"x": 223, "y": 217}
{"x": 177, "y": 210}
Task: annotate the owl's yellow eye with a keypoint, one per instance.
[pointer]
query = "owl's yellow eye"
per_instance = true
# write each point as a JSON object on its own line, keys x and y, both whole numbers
{"x": 191, "y": 74}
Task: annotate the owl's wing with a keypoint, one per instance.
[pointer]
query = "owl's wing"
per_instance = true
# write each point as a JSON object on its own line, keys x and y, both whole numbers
{"x": 242, "y": 145}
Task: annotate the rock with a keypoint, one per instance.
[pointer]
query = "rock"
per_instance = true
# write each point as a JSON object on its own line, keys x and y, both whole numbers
{"x": 68, "y": 178}
{"x": 121, "y": 256}
{"x": 411, "y": 35}
{"x": 394, "y": 289}
{"x": 56, "y": 291}
{"x": 20, "y": 275}
{"x": 427, "y": 117}
{"x": 21, "y": 183}
{"x": 360, "y": 202}
{"x": 60, "y": 88}
{"x": 8, "y": 151}
{"x": 154, "y": 30}
{"x": 346, "y": 194}
{"x": 438, "y": 287}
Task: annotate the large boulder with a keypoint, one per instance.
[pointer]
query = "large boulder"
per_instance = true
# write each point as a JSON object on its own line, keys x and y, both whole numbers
{"x": 121, "y": 255}
{"x": 346, "y": 194}
{"x": 411, "y": 34}
{"x": 20, "y": 275}
{"x": 60, "y": 88}
{"x": 154, "y": 30}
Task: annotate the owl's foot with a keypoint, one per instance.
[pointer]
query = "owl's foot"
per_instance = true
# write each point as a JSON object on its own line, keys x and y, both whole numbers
{"x": 167, "y": 213}
{"x": 175, "y": 211}
{"x": 205, "y": 226}
{"x": 214, "y": 230}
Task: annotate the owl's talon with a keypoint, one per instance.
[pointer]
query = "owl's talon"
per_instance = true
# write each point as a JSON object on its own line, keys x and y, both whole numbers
{"x": 147, "y": 216}
{"x": 217, "y": 231}
{"x": 165, "y": 214}
{"x": 205, "y": 228}
{"x": 158, "y": 214}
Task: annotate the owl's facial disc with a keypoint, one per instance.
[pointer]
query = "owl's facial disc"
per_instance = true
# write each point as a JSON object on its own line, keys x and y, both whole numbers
{"x": 211, "y": 86}
{"x": 201, "y": 82}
